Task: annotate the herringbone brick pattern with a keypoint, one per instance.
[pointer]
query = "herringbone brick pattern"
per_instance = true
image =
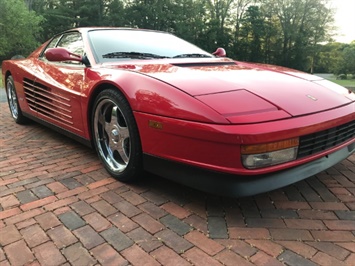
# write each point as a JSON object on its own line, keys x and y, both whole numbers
{"x": 58, "y": 206}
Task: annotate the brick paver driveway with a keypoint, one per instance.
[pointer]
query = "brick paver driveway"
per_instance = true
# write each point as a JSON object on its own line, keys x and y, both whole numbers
{"x": 58, "y": 206}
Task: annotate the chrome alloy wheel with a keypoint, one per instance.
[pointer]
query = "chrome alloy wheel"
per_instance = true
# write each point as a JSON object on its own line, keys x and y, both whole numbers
{"x": 112, "y": 135}
{"x": 12, "y": 98}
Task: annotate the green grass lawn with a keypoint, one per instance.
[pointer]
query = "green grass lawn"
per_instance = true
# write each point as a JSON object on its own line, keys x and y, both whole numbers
{"x": 344, "y": 82}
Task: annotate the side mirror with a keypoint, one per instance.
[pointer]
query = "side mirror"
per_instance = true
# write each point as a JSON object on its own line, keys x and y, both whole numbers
{"x": 61, "y": 54}
{"x": 220, "y": 52}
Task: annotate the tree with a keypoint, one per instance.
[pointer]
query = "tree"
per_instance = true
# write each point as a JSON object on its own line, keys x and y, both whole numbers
{"x": 114, "y": 14}
{"x": 253, "y": 31}
{"x": 58, "y": 15}
{"x": 219, "y": 22}
{"x": 237, "y": 17}
{"x": 150, "y": 14}
{"x": 349, "y": 59}
{"x": 329, "y": 57}
{"x": 19, "y": 28}
{"x": 303, "y": 24}
{"x": 338, "y": 57}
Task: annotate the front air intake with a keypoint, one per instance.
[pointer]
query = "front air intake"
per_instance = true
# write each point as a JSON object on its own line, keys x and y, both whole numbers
{"x": 326, "y": 139}
{"x": 205, "y": 64}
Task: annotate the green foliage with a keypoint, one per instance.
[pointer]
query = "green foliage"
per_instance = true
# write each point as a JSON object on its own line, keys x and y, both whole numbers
{"x": 337, "y": 58}
{"x": 301, "y": 24}
{"x": 348, "y": 56}
{"x": 61, "y": 15}
{"x": 19, "y": 28}
{"x": 151, "y": 14}
{"x": 252, "y": 32}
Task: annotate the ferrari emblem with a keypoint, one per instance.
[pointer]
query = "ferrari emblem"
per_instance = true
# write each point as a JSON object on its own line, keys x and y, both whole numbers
{"x": 312, "y": 97}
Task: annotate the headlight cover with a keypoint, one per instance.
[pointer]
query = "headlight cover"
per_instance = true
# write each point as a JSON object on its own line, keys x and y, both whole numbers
{"x": 268, "y": 154}
{"x": 254, "y": 161}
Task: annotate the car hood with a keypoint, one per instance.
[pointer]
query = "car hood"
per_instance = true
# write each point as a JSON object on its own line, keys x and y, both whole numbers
{"x": 236, "y": 88}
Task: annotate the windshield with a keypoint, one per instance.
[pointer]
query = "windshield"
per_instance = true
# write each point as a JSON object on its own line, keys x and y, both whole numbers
{"x": 122, "y": 44}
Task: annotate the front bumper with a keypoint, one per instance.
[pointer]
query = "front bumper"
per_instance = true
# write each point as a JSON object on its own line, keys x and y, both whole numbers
{"x": 218, "y": 147}
{"x": 241, "y": 186}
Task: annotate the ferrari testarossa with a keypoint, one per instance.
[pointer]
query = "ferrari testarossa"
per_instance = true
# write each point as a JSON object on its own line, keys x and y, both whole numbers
{"x": 147, "y": 100}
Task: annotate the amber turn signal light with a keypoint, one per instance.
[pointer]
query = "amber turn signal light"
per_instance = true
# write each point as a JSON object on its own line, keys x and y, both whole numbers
{"x": 268, "y": 147}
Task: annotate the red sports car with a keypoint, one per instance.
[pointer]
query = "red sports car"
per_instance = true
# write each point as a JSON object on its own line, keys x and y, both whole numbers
{"x": 147, "y": 100}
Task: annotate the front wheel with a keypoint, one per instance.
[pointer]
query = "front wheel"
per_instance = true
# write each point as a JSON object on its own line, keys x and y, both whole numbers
{"x": 115, "y": 136}
{"x": 12, "y": 100}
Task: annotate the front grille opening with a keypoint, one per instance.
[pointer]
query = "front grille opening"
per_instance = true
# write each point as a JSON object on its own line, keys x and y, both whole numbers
{"x": 326, "y": 139}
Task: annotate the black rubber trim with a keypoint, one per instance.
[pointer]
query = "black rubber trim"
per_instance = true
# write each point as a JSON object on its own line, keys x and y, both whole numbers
{"x": 241, "y": 186}
{"x": 60, "y": 130}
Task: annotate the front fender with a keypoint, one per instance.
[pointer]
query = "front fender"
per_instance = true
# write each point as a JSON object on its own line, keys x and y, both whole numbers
{"x": 149, "y": 95}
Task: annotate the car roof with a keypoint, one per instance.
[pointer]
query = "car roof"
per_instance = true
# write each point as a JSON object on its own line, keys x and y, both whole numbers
{"x": 87, "y": 29}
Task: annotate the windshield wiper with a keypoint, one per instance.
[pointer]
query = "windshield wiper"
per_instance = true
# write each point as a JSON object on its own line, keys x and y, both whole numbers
{"x": 133, "y": 55}
{"x": 192, "y": 55}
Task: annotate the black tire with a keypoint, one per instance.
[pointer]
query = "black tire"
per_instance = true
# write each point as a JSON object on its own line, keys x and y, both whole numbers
{"x": 12, "y": 100}
{"x": 116, "y": 137}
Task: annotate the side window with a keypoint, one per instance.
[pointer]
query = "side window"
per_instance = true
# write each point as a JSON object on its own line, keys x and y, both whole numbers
{"x": 52, "y": 44}
{"x": 72, "y": 42}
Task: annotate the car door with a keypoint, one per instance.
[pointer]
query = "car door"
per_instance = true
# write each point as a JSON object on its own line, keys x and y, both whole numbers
{"x": 59, "y": 86}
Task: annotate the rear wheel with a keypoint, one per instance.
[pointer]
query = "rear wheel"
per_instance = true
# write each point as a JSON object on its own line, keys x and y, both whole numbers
{"x": 13, "y": 102}
{"x": 115, "y": 135}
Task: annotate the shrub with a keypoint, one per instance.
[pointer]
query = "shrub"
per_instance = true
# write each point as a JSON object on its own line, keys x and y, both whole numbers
{"x": 342, "y": 76}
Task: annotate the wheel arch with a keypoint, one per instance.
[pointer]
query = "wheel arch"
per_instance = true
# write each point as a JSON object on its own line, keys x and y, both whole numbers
{"x": 7, "y": 74}
{"x": 106, "y": 97}
{"x": 91, "y": 100}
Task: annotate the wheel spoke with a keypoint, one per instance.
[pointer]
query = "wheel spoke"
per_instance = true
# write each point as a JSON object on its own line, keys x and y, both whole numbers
{"x": 113, "y": 122}
{"x": 101, "y": 119}
{"x": 122, "y": 151}
{"x": 113, "y": 146}
{"x": 114, "y": 116}
{"x": 107, "y": 128}
{"x": 113, "y": 134}
{"x": 124, "y": 133}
